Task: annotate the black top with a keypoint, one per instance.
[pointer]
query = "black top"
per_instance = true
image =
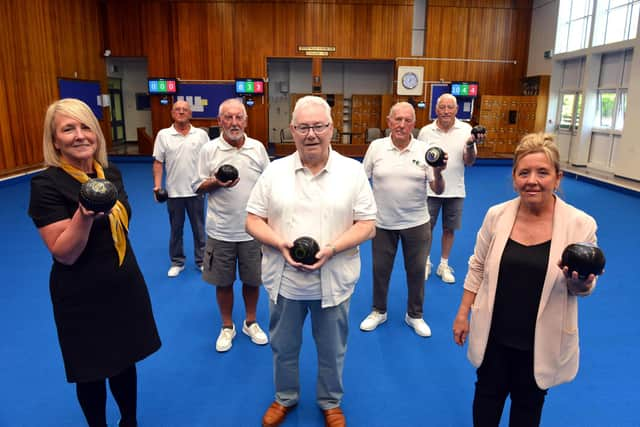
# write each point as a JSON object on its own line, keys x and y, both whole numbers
{"x": 520, "y": 282}
{"x": 102, "y": 310}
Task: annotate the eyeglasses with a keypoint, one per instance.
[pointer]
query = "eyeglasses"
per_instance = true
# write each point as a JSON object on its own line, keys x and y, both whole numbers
{"x": 317, "y": 129}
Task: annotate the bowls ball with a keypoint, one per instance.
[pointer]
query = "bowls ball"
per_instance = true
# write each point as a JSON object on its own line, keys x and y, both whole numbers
{"x": 585, "y": 258}
{"x": 161, "y": 195}
{"x": 304, "y": 250}
{"x": 98, "y": 195}
{"x": 227, "y": 173}
{"x": 478, "y": 129}
{"x": 434, "y": 156}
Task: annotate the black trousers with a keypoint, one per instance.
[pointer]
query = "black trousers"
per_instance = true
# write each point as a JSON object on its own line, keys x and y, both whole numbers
{"x": 506, "y": 371}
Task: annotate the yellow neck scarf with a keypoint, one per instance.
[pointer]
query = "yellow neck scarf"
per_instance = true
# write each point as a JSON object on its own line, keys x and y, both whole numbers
{"x": 118, "y": 217}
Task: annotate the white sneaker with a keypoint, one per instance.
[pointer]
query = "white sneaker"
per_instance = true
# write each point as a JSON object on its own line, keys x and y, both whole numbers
{"x": 373, "y": 320}
{"x": 225, "y": 339}
{"x": 446, "y": 273}
{"x": 175, "y": 270}
{"x": 427, "y": 270}
{"x": 419, "y": 326}
{"x": 254, "y": 332}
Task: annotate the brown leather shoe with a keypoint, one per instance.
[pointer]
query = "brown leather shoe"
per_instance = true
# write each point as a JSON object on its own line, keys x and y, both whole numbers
{"x": 334, "y": 417}
{"x": 275, "y": 415}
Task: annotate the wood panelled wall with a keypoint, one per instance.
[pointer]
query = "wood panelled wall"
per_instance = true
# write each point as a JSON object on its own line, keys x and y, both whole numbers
{"x": 220, "y": 40}
{"x": 41, "y": 40}
{"x": 476, "y": 40}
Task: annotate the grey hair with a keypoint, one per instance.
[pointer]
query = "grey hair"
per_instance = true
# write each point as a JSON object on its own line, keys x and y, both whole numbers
{"x": 230, "y": 101}
{"x": 397, "y": 105}
{"x": 311, "y": 100}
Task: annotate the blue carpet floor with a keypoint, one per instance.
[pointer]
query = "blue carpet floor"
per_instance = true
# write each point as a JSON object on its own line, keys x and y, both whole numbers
{"x": 393, "y": 378}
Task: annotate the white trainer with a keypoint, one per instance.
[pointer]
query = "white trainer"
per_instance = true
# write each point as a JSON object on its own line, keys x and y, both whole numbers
{"x": 254, "y": 332}
{"x": 225, "y": 339}
{"x": 419, "y": 326}
{"x": 427, "y": 270}
{"x": 373, "y": 320}
{"x": 175, "y": 270}
{"x": 446, "y": 273}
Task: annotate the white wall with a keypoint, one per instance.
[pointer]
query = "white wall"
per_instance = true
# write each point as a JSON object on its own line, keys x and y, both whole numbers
{"x": 543, "y": 24}
{"x": 133, "y": 72}
{"x": 627, "y": 153}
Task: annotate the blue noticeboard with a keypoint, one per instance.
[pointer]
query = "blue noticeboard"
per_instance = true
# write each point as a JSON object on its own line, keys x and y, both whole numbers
{"x": 465, "y": 103}
{"x": 205, "y": 98}
{"x": 437, "y": 89}
{"x": 86, "y": 91}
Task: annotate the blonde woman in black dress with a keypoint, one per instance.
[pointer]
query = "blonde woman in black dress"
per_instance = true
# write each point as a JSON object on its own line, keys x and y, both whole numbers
{"x": 100, "y": 300}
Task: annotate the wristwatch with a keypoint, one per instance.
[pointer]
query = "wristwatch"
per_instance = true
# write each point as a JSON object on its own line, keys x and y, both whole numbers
{"x": 333, "y": 249}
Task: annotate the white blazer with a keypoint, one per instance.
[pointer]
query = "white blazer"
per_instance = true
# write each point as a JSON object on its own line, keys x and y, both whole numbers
{"x": 556, "y": 347}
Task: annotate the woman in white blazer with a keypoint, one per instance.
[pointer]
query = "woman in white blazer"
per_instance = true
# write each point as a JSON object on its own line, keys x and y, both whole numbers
{"x": 523, "y": 332}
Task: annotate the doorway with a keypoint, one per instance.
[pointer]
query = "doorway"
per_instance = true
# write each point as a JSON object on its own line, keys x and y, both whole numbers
{"x": 127, "y": 82}
{"x": 569, "y": 115}
{"x": 118, "y": 134}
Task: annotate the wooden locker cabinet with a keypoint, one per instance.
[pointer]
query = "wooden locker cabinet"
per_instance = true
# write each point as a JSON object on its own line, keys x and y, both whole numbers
{"x": 509, "y": 118}
{"x": 365, "y": 113}
{"x": 336, "y": 109}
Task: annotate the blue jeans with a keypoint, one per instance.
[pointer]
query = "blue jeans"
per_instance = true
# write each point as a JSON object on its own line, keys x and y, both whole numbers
{"x": 330, "y": 327}
{"x": 194, "y": 207}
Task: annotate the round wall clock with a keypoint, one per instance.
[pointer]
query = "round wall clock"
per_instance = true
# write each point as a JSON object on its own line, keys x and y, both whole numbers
{"x": 409, "y": 80}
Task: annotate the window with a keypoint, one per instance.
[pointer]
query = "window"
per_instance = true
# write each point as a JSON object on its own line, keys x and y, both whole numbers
{"x": 570, "y": 109}
{"x": 574, "y": 25}
{"x": 612, "y": 106}
{"x": 606, "y": 107}
{"x": 612, "y": 90}
{"x": 621, "y": 111}
{"x": 616, "y": 20}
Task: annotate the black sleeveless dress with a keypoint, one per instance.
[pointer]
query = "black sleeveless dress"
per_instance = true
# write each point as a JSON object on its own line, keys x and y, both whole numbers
{"x": 102, "y": 310}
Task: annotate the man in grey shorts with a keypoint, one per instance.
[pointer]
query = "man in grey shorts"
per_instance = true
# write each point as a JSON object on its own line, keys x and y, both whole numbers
{"x": 455, "y": 138}
{"x": 228, "y": 243}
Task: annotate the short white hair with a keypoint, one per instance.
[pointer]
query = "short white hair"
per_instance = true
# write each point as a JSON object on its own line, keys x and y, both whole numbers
{"x": 397, "y": 105}
{"x": 226, "y": 102}
{"x": 447, "y": 96}
{"x": 311, "y": 100}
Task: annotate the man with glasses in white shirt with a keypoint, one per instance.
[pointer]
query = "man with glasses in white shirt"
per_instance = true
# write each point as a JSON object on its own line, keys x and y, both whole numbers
{"x": 400, "y": 177}
{"x": 314, "y": 192}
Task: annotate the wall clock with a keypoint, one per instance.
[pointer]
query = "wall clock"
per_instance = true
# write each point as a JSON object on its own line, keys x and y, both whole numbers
{"x": 410, "y": 80}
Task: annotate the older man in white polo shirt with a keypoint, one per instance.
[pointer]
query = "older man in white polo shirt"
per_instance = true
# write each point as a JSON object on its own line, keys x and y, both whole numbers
{"x": 176, "y": 150}
{"x": 319, "y": 193}
{"x": 455, "y": 138}
{"x": 400, "y": 177}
